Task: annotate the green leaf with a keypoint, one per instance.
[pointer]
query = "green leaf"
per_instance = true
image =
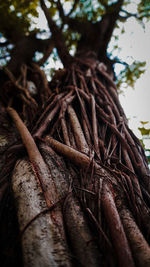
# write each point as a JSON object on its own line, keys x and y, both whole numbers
{"x": 144, "y": 131}
{"x": 144, "y": 122}
{"x": 52, "y": 11}
{"x": 131, "y": 73}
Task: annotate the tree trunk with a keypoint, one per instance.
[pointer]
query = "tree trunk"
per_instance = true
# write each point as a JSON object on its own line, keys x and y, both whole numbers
{"x": 82, "y": 193}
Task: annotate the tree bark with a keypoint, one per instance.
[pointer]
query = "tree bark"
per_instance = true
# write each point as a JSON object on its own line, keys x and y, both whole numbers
{"x": 81, "y": 159}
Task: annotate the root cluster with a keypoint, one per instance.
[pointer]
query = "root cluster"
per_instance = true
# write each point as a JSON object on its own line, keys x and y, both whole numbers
{"x": 83, "y": 133}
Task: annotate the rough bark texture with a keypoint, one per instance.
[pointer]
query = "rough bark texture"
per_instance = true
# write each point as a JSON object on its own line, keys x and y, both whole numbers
{"x": 82, "y": 192}
{"x": 41, "y": 241}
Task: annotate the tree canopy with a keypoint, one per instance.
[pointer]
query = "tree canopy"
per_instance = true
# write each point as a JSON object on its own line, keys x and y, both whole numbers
{"x": 75, "y": 22}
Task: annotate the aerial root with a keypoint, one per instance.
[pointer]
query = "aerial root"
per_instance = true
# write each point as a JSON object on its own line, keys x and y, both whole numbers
{"x": 139, "y": 246}
{"x": 84, "y": 124}
{"x": 118, "y": 235}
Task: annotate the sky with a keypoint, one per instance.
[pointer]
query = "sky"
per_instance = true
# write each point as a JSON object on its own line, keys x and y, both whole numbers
{"x": 135, "y": 45}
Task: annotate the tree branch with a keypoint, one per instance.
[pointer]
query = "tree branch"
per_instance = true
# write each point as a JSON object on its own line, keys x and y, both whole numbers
{"x": 66, "y": 19}
{"x": 128, "y": 14}
{"x": 107, "y": 24}
{"x": 75, "y": 24}
{"x": 73, "y": 7}
{"x": 57, "y": 37}
{"x": 46, "y": 54}
{"x": 60, "y": 9}
{"x": 30, "y": 45}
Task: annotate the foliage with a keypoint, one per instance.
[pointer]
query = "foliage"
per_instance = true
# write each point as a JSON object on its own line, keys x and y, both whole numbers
{"x": 145, "y": 132}
{"x": 15, "y": 17}
{"x": 17, "y": 20}
{"x": 131, "y": 73}
{"x": 144, "y": 9}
